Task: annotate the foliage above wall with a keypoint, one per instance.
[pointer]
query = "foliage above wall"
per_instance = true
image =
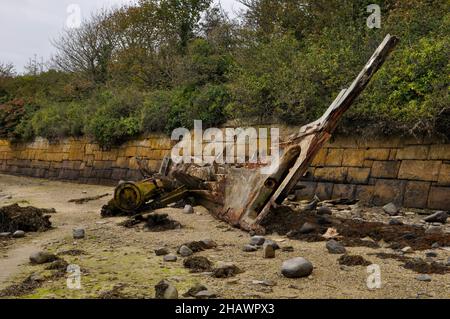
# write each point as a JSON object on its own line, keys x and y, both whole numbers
{"x": 161, "y": 64}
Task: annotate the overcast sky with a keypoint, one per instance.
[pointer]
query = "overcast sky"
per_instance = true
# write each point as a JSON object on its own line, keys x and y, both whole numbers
{"x": 27, "y": 26}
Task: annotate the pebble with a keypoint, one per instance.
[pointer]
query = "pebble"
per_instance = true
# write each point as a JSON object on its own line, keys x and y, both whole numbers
{"x": 296, "y": 268}
{"x": 424, "y": 277}
{"x": 335, "y": 247}
{"x": 249, "y": 248}
{"x": 194, "y": 290}
{"x": 287, "y": 249}
{"x": 5, "y": 234}
{"x": 188, "y": 209}
{"x": 161, "y": 251}
{"x": 435, "y": 245}
{"x": 185, "y": 251}
{"x": 42, "y": 257}
{"x": 78, "y": 233}
{"x": 170, "y": 258}
{"x": 257, "y": 240}
{"x": 18, "y": 234}
{"x": 390, "y": 209}
{"x": 268, "y": 251}
{"x": 438, "y": 217}
{"x": 205, "y": 294}
{"x": 307, "y": 228}
{"x": 165, "y": 290}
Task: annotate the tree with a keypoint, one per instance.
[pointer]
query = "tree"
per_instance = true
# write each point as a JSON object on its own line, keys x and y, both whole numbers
{"x": 7, "y": 70}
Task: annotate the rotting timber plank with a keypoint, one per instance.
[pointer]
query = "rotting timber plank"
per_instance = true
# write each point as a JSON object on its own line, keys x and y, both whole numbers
{"x": 312, "y": 137}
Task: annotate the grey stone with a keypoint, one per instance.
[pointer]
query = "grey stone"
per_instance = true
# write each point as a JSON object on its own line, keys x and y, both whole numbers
{"x": 170, "y": 258}
{"x": 324, "y": 210}
{"x": 18, "y": 234}
{"x": 270, "y": 242}
{"x": 185, "y": 251}
{"x": 407, "y": 250}
{"x": 194, "y": 290}
{"x": 335, "y": 247}
{"x": 5, "y": 234}
{"x": 165, "y": 290}
{"x": 209, "y": 243}
{"x": 307, "y": 228}
{"x": 188, "y": 209}
{"x": 438, "y": 217}
{"x": 296, "y": 268}
{"x": 268, "y": 251}
{"x": 391, "y": 209}
{"x": 78, "y": 233}
{"x": 435, "y": 245}
{"x": 257, "y": 240}
{"x": 424, "y": 277}
{"x": 161, "y": 251}
{"x": 267, "y": 283}
{"x": 42, "y": 257}
{"x": 249, "y": 248}
{"x": 205, "y": 294}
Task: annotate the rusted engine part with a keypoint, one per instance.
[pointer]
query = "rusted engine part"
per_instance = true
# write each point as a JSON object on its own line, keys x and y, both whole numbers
{"x": 249, "y": 196}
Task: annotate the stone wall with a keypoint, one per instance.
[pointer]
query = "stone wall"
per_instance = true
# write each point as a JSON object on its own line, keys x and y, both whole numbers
{"x": 80, "y": 160}
{"x": 409, "y": 172}
{"x": 412, "y": 173}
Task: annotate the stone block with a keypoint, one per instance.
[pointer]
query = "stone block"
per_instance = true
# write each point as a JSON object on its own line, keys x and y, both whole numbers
{"x": 439, "y": 198}
{"x": 357, "y": 175}
{"x": 378, "y": 154}
{"x": 320, "y": 158}
{"x": 353, "y": 157}
{"x": 334, "y": 157}
{"x": 416, "y": 194}
{"x": 343, "y": 191}
{"x": 413, "y": 152}
{"x": 439, "y": 152}
{"x": 307, "y": 192}
{"x": 324, "y": 190}
{"x": 419, "y": 170}
{"x": 444, "y": 175}
{"x": 331, "y": 174}
{"x": 386, "y": 191}
{"x": 364, "y": 193}
{"x": 385, "y": 169}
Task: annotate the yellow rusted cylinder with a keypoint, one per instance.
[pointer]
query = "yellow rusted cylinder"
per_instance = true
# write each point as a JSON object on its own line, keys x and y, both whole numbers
{"x": 130, "y": 196}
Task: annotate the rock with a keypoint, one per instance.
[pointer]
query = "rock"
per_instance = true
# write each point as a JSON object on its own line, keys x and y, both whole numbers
{"x": 194, "y": 290}
{"x": 267, "y": 283}
{"x": 335, "y": 247}
{"x": 165, "y": 290}
{"x": 395, "y": 222}
{"x": 249, "y": 248}
{"x": 391, "y": 209}
{"x": 296, "y": 268}
{"x": 198, "y": 264}
{"x": 268, "y": 251}
{"x": 287, "y": 249}
{"x": 78, "y": 233}
{"x": 312, "y": 205}
{"x": 435, "y": 245}
{"x": 170, "y": 258}
{"x": 225, "y": 270}
{"x": 407, "y": 250}
{"x": 257, "y": 240}
{"x": 424, "y": 277}
{"x": 324, "y": 220}
{"x": 270, "y": 242}
{"x": 161, "y": 251}
{"x": 205, "y": 294}
{"x": 307, "y": 228}
{"x": 5, "y": 235}
{"x": 185, "y": 251}
{"x": 188, "y": 209}
{"x": 42, "y": 257}
{"x": 291, "y": 197}
{"x": 324, "y": 210}
{"x": 431, "y": 254}
{"x": 18, "y": 234}
{"x": 208, "y": 243}
{"x": 438, "y": 217}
